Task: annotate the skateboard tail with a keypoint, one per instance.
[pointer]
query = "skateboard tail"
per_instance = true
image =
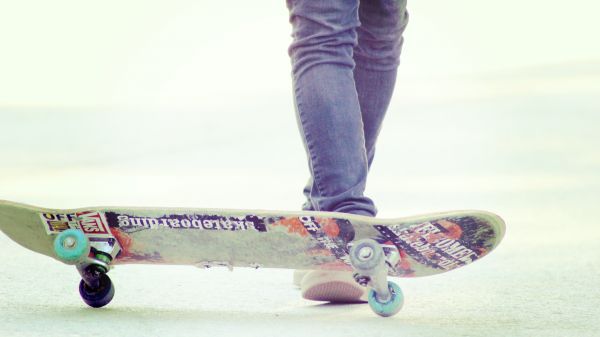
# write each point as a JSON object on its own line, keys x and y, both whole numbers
{"x": 21, "y": 223}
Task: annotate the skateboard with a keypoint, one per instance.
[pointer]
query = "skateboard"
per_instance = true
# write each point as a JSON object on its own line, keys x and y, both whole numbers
{"x": 94, "y": 239}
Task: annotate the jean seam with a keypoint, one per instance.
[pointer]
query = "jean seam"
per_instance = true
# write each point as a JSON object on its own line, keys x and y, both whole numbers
{"x": 311, "y": 162}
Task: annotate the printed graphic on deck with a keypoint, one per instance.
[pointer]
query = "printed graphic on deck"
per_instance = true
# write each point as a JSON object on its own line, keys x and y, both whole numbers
{"x": 443, "y": 244}
{"x": 130, "y": 223}
{"x": 327, "y": 239}
{"x": 90, "y": 222}
{"x": 55, "y": 223}
{"x": 331, "y": 237}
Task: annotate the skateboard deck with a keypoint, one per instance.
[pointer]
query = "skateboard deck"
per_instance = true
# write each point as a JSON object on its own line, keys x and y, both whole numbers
{"x": 423, "y": 245}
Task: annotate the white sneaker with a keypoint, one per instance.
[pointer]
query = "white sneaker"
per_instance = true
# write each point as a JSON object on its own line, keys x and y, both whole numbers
{"x": 330, "y": 286}
{"x": 298, "y": 276}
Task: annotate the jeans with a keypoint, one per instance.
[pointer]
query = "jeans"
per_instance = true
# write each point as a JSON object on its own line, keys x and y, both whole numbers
{"x": 345, "y": 56}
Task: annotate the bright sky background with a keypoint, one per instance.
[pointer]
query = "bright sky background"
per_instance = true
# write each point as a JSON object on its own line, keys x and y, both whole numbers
{"x": 183, "y": 54}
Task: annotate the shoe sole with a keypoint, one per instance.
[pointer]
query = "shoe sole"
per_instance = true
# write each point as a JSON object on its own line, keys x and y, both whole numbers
{"x": 335, "y": 291}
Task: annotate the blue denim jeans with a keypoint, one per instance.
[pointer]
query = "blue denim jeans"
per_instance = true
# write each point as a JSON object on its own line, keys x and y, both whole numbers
{"x": 345, "y": 56}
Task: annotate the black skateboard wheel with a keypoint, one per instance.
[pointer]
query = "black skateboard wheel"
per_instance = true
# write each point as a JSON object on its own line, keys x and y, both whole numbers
{"x": 99, "y": 297}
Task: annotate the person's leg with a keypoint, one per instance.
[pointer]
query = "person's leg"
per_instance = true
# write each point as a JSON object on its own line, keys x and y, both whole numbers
{"x": 327, "y": 104}
{"x": 330, "y": 122}
{"x": 377, "y": 57}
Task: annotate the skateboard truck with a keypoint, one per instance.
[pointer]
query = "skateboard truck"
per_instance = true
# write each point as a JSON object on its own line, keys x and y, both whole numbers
{"x": 92, "y": 260}
{"x": 371, "y": 269}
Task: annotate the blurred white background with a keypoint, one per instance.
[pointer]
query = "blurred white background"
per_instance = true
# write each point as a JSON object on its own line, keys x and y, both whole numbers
{"x": 189, "y": 102}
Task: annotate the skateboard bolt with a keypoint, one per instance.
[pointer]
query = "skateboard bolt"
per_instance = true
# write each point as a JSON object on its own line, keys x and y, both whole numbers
{"x": 365, "y": 253}
{"x": 69, "y": 242}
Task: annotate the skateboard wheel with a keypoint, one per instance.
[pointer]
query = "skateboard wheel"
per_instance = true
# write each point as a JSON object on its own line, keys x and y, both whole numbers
{"x": 99, "y": 297}
{"x": 392, "y": 306}
{"x": 71, "y": 246}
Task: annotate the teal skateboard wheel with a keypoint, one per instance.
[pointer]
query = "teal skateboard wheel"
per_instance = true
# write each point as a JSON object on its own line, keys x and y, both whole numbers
{"x": 71, "y": 246}
{"x": 392, "y": 306}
